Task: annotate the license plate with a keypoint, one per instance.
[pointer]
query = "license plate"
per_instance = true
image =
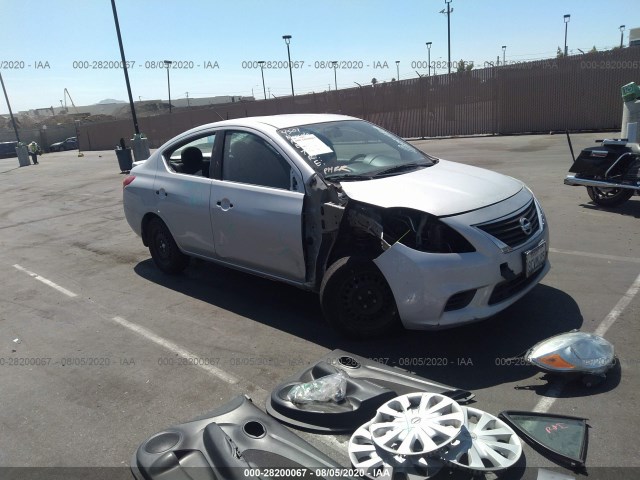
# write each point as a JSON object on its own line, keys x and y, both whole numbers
{"x": 535, "y": 259}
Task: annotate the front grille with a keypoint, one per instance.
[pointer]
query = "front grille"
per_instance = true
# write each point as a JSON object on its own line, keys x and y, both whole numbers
{"x": 509, "y": 229}
{"x": 459, "y": 300}
{"x": 508, "y": 289}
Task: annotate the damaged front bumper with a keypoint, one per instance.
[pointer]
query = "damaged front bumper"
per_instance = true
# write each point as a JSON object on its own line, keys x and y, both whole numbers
{"x": 436, "y": 290}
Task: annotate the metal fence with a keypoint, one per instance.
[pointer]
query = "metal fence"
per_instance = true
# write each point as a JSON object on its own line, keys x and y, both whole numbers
{"x": 574, "y": 93}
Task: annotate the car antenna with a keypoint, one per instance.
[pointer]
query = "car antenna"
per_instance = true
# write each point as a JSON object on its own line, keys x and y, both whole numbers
{"x": 570, "y": 145}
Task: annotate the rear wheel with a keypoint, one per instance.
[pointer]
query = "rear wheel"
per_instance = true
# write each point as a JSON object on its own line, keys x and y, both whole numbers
{"x": 609, "y": 197}
{"x": 164, "y": 250}
{"x": 356, "y": 299}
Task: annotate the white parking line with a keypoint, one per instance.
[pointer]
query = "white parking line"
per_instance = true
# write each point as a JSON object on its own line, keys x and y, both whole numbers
{"x": 177, "y": 349}
{"x": 68, "y": 293}
{"x": 554, "y": 391}
{"x": 609, "y": 320}
{"x": 596, "y": 255}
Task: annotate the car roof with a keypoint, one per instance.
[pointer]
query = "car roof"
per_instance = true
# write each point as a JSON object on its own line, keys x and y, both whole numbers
{"x": 277, "y": 121}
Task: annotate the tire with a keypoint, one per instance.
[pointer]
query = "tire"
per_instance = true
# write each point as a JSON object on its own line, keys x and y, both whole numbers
{"x": 609, "y": 197}
{"x": 164, "y": 250}
{"x": 356, "y": 299}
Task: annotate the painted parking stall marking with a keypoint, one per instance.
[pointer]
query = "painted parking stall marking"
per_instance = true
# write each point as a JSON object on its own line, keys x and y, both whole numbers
{"x": 175, "y": 348}
{"x": 148, "y": 334}
{"x": 554, "y": 391}
{"x": 601, "y": 256}
{"x": 51, "y": 284}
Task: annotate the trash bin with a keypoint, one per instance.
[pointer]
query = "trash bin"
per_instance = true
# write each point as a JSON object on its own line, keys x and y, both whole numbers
{"x": 140, "y": 147}
{"x": 125, "y": 161}
{"x": 23, "y": 155}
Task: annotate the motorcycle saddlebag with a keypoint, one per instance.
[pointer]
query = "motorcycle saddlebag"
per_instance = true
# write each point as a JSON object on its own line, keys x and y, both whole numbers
{"x": 594, "y": 161}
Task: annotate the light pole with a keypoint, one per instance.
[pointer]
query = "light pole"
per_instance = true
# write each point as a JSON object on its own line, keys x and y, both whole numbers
{"x": 13, "y": 121}
{"x": 287, "y": 40}
{"x": 504, "y": 49}
{"x": 398, "y": 70}
{"x": 264, "y": 90}
{"x": 167, "y": 63}
{"x": 124, "y": 67}
{"x": 335, "y": 75}
{"x": 188, "y": 104}
{"x": 621, "y": 34}
{"x": 567, "y": 17}
{"x": 429, "y": 56}
{"x": 449, "y": 10}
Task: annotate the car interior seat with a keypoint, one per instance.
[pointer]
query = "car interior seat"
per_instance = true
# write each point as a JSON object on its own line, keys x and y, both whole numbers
{"x": 191, "y": 160}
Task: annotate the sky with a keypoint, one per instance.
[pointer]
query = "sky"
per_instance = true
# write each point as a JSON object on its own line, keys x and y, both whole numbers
{"x": 50, "y": 45}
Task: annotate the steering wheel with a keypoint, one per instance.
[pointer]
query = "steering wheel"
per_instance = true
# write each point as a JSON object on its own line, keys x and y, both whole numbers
{"x": 368, "y": 158}
{"x": 355, "y": 157}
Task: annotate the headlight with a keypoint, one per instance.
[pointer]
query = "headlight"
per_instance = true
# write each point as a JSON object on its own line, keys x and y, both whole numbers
{"x": 573, "y": 352}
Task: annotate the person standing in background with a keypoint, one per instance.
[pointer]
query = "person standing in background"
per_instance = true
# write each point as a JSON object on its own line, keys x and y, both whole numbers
{"x": 33, "y": 152}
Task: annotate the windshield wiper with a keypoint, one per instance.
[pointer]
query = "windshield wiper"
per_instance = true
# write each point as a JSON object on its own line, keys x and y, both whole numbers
{"x": 337, "y": 177}
{"x": 399, "y": 168}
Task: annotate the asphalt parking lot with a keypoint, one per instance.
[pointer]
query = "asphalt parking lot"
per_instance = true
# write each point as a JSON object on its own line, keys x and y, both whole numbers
{"x": 78, "y": 284}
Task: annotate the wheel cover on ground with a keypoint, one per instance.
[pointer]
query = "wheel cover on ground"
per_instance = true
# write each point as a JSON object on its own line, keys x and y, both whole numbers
{"x": 375, "y": 462}
{"x": 485, "y": 443}
{"x": 417, "y": 424}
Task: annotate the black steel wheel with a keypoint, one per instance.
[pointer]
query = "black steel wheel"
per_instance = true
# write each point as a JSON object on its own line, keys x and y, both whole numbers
{"x": 609, "y": 197}
{"x": 164, "y": 250}
{"x": 356, "y": 299}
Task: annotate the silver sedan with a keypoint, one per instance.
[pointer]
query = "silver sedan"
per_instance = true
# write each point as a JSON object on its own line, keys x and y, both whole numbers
{"x": 386, "y": 234}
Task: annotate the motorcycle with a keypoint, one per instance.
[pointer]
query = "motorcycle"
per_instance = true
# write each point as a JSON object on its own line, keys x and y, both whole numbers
{"x": 611, "y": 171}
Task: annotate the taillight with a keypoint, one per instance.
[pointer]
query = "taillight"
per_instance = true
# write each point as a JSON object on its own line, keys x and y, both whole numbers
{"x": 127, "y": 180}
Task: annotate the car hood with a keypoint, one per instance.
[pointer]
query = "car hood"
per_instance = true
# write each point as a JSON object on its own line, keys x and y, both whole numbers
{"x": 446, "y": 188}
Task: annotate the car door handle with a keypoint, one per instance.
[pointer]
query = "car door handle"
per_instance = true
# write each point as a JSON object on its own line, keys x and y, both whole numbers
{"x": 224, "y": 204}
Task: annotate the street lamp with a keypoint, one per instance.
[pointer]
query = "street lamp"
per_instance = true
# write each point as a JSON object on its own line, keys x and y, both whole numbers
{"x": 504, "y": 49}
{"x": 398, "y": 70}
{"x": 567, "y": 17}
{"x": 13, "y": 121}
{"x": 449, "y": 10}
{"x": 621, "y": 34}
{"x": 124, "y": 68}
{"x": 264, "y": 90}
{"x": 335, "y": 75}
{"x": 167, "y": 63}
{"x": 287, "y": 40}
{"x": 429, "y": 57}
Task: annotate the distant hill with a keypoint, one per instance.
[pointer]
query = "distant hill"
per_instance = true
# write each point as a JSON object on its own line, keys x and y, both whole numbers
{"x": 108, "y": 101}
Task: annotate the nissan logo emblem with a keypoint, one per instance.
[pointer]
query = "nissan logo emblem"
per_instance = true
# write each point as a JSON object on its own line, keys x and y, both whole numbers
{"x": 526, "y": 226}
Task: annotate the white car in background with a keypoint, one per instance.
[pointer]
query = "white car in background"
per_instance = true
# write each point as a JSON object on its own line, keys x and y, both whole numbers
{"x": 386, "y": 234}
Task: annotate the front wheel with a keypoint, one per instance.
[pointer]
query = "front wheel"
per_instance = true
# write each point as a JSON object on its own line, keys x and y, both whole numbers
{"x": 609, "y": 197}
{"x": 356, "y": 299}
{"x": 164, "y": 250}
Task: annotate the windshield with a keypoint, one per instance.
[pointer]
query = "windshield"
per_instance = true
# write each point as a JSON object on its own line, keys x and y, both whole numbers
{"x": 354, "y": 150}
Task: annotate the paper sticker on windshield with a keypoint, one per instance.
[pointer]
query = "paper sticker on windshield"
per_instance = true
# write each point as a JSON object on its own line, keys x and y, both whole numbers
{"x": 311, "y": 144}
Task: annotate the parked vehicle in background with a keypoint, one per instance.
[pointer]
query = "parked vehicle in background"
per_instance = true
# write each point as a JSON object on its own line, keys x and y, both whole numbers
{"x": 8, "y": 149}
{"x": 70, "y": 143}
{"x": 386, "y": 234}
{"x": 611, "y": 172}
